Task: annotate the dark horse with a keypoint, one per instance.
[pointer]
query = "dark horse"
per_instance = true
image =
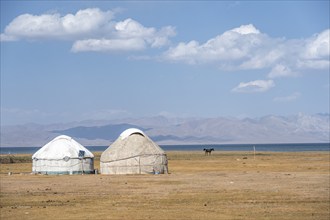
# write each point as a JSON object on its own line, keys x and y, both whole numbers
{"x": 208, "y": 151}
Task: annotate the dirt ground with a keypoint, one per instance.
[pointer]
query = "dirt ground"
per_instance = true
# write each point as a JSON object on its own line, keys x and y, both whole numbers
{"x": 225, "y": 185}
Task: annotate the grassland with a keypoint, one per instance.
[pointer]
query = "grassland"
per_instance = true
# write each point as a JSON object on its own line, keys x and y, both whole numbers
{"x": 225, "y": 185}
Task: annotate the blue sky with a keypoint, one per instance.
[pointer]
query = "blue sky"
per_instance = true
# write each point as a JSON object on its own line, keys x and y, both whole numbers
{"x": 80, "y": 60}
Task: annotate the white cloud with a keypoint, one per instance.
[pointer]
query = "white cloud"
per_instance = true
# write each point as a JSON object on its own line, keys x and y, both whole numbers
{"x": 246, "y": 29}
{"x": 231, "y": 46}
{"x": 92, "y": 30}
{"x": 261, "y": 58}
{"x": 313, "y": 64}
{"x": 131, "y": 29}
{"x": 281, "y": 70}
{"x": 162, "y": 36}
{"x": 318, "y": 47}
{"x": 241, "y": 48}
{"x": 128, "y": 35}
{"x": 87, "y": 22}
{"x": 108, "y": 45}
{"x": 4, "y": 37}
{"x": 184, "y": 52}
{"x": 254, "y": 86}
{"x": 316, "y": 52}
{"x": 289, "y": 98}
{"x": 246, "y": 48}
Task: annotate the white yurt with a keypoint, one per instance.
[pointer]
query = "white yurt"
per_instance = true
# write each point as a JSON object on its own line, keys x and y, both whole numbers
{"x": 133, "y": 153}
{"x": 63, "y": 155}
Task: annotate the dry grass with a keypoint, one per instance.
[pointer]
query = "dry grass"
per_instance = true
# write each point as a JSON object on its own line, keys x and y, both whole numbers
{"x": 221, "y": 186}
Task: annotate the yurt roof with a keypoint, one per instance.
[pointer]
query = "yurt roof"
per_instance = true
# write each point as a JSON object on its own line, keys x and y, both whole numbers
{"x": 131, "y": 143}
{"x": 130, "y": 131}
{"x": 60, "y": 147}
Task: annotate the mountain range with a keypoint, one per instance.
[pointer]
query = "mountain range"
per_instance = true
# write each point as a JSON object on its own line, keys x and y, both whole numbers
{"x": 300, "y": 128}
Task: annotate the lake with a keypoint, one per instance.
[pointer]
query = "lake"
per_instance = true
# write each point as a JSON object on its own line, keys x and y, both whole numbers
{"x": 298, "y": 147}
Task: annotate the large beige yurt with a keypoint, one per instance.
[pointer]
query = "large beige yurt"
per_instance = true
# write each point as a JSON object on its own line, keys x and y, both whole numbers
{"x": 63, "y": 155}
{"x": 133, "y": 153}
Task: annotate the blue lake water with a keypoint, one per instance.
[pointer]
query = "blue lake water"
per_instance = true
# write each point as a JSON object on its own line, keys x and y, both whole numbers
{"x": 217, "y": 147}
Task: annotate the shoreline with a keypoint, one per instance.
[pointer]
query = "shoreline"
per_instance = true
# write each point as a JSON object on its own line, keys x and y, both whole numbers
{"x": 202, "y": 152}
{"x": 297, "y": 147}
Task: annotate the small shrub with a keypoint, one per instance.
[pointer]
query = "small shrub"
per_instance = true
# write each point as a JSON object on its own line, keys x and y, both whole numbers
{"x": 6, "y": 159}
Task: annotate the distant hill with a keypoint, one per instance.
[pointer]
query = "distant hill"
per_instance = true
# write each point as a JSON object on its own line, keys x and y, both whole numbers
{"x": 298, "y": 128}
{"x": 106, "y": 132}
